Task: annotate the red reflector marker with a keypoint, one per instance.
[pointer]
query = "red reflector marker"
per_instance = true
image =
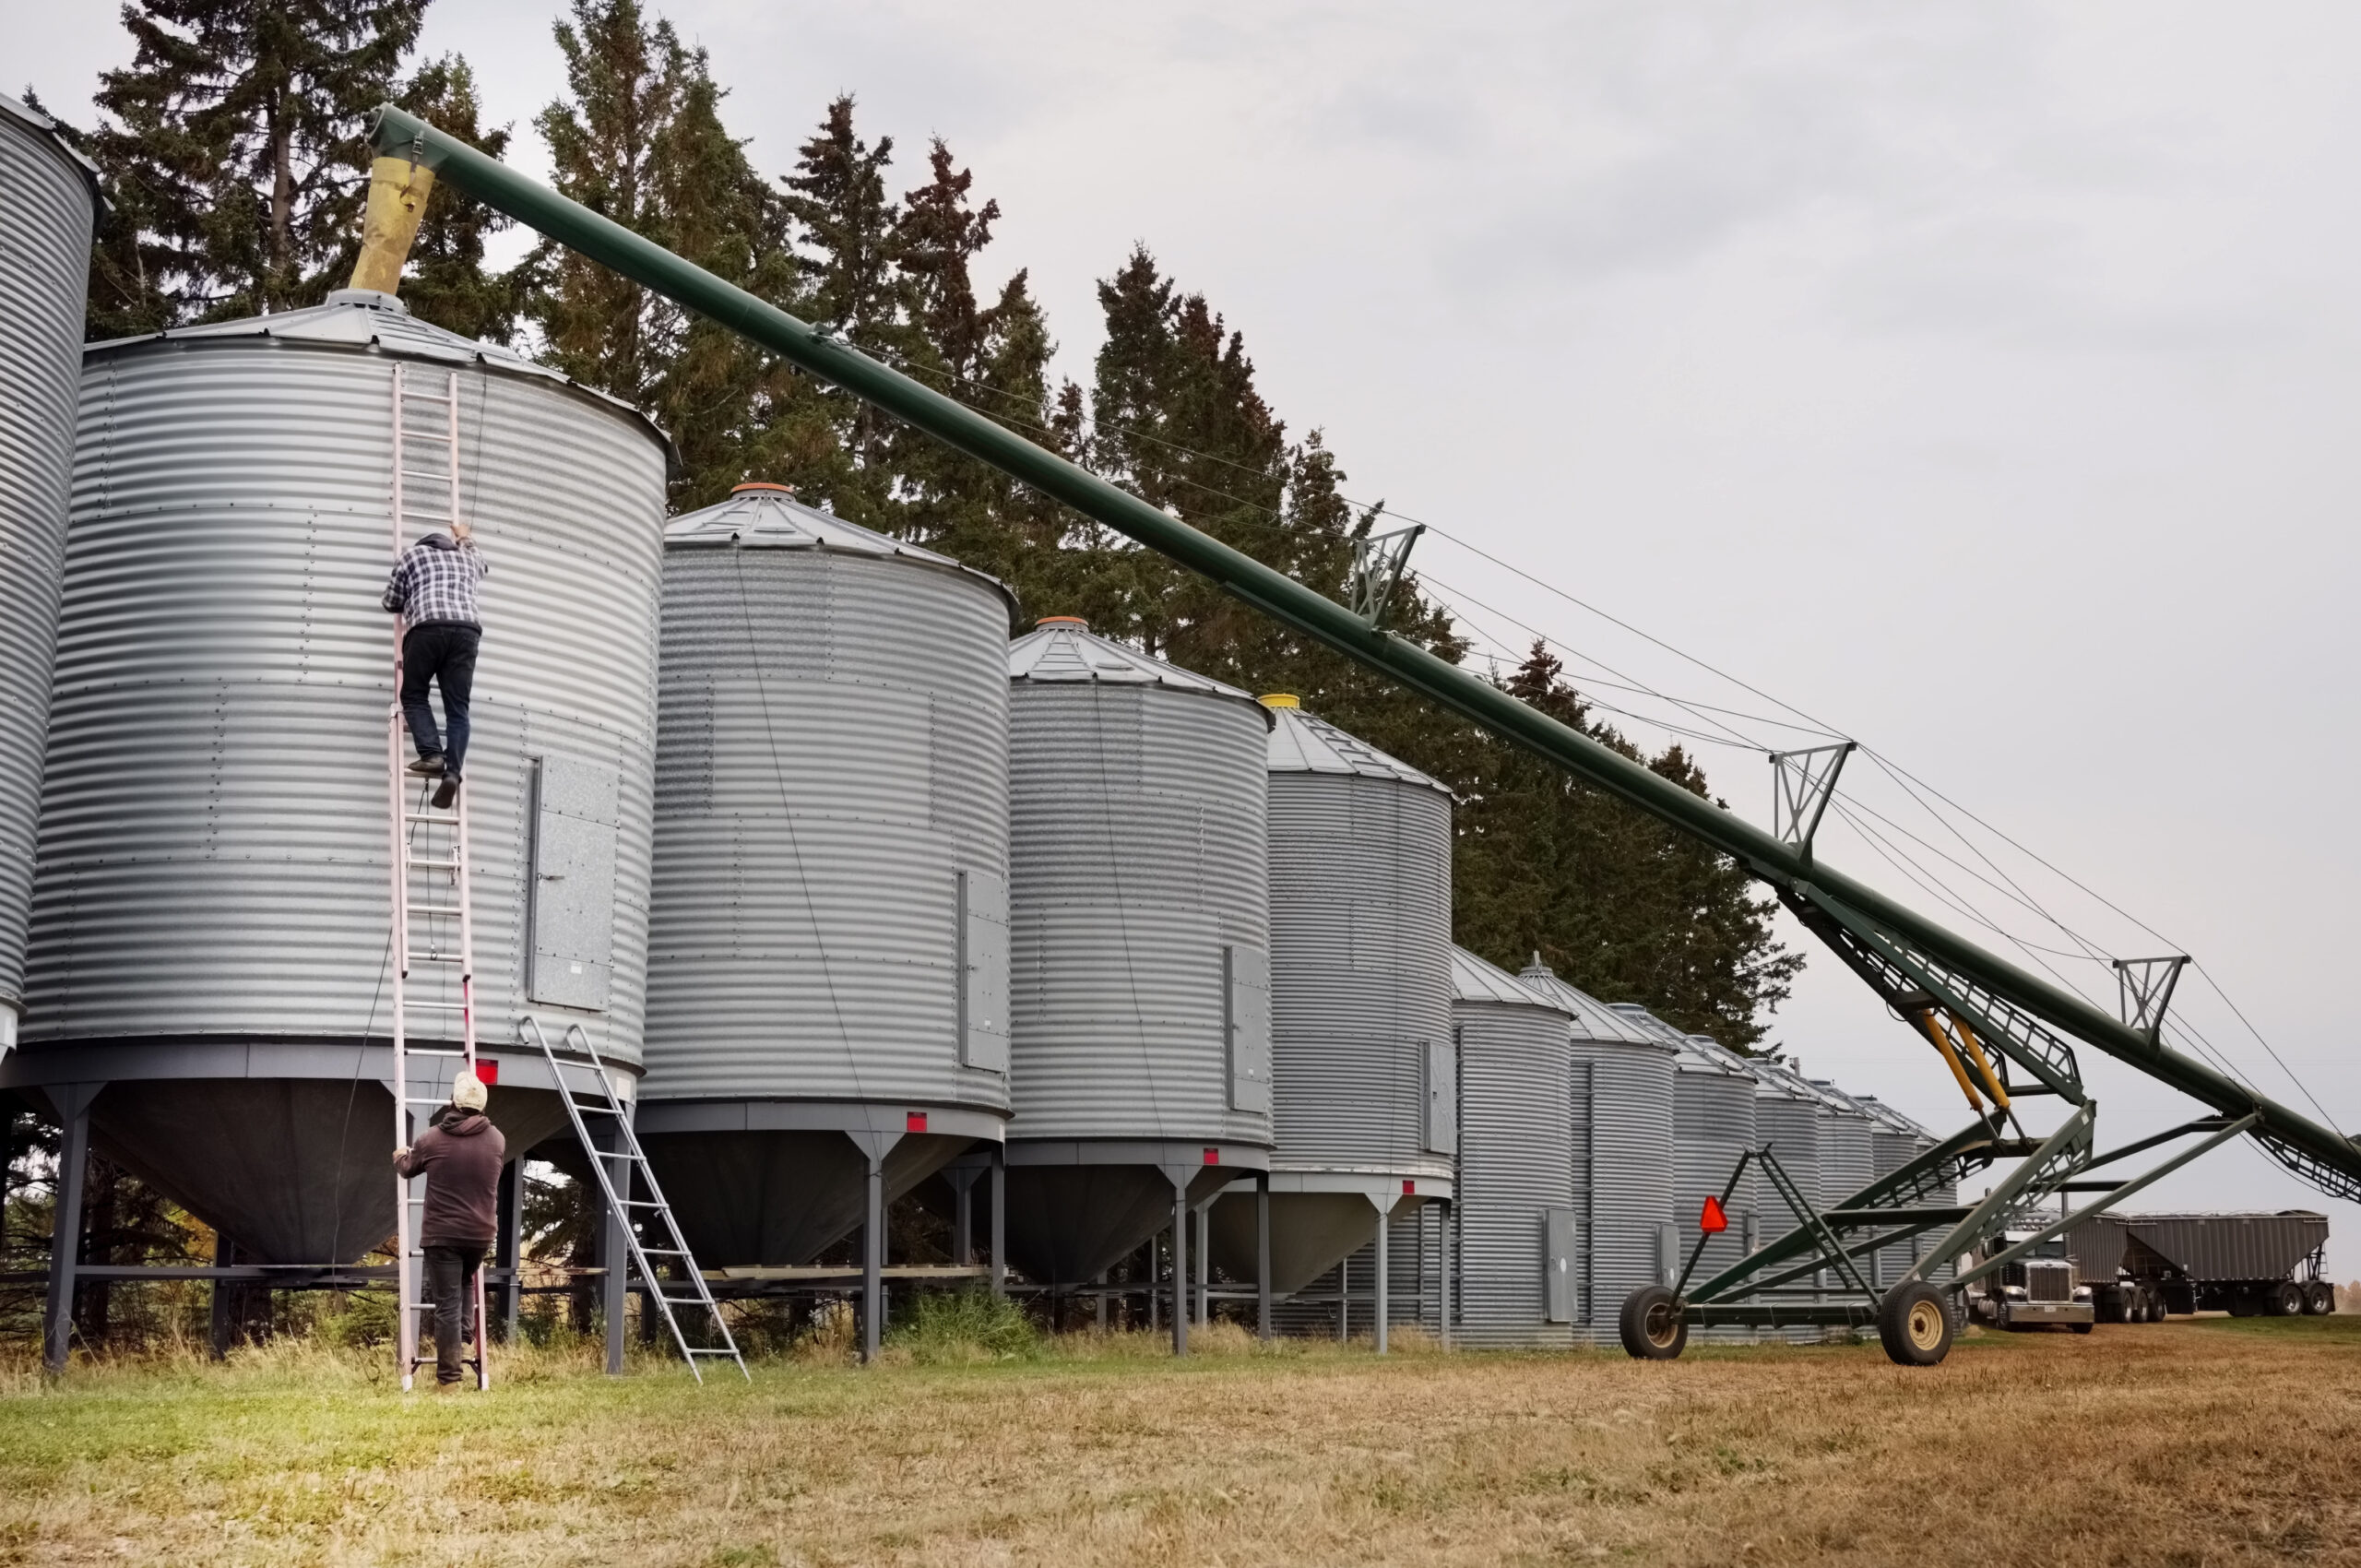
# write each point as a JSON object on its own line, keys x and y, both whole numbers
{"x": 914, "y": 1122}
{"x": 487, "y": 1071}
{"x": 1212, "y": 1157}
{"x": 1409, "y": 1188}
{"x": 1713, "y": 1223}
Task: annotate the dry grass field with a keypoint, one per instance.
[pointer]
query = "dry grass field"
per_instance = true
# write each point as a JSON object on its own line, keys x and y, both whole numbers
{"x": 2195, "y": 1443}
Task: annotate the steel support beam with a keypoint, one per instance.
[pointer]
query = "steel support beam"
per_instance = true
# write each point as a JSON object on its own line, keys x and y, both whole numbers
{"x": 1263, "y": 1328}
{"x": 73, "y": 1102}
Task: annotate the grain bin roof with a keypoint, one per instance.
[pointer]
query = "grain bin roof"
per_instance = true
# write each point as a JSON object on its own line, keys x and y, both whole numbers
{"x": 1593, "y": 1019}
{"x": 1474, "y": 980}
{"x": 1303, "y": 742}
{"x": 1695, "y": 1057}
{"x": 362, "y": 319}
{"x": 25, "y": 114}
{"x": 1063, "y": 648}
{"x": 768, "y": 517}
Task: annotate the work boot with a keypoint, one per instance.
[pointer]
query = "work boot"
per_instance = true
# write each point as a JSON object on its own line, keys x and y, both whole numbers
{"x": 446, "y": 792}
{"x": 428, "y": 766}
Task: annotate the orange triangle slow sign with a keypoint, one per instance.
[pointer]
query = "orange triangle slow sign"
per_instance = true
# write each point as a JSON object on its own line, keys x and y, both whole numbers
{"x": 1713, "y": 1223}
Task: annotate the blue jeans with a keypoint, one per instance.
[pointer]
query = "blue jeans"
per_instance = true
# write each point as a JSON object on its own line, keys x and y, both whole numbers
{"x": 445, "y": 653}
{"x": 451, "y": 1285}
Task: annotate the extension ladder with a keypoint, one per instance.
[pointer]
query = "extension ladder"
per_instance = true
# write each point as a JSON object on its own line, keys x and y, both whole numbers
{"x": 636, "y": 1173}
{"x": 434, "y": 925}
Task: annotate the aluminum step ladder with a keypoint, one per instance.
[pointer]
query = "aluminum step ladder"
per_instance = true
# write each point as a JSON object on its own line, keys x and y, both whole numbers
{"x": 433, "y": 924}
{"x": 651, "y": 1211}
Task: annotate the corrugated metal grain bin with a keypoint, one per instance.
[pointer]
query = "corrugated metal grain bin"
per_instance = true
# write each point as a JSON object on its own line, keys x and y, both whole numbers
{"x": 210, "y": 928}
{"x": 1361, "y": 998}
{"x": 1847, "y": 1161}
{"x": 1713, "y": 1125}
{"x": 1623, "y": 1100}
{"x": 1516, "y": 1161}
{"x": 1786, "y": 1112}
{"x": 1140, "y": 903}
{"x": 48, "y": 201}
{"x": 829, "y": 951}
{"x": 1894, "y": 1142}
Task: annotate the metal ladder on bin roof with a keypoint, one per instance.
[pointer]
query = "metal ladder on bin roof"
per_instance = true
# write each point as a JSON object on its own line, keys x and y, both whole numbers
{"x": 604, "y": 1101}
{"x": 434, "y": 920}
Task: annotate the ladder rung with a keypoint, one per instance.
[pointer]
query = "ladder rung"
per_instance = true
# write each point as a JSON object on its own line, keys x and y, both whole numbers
{"x": 414, "y": 862}
{"x": 438, "y": 1007}
{"x": 408, "y": 1049}
{"x": 450, "y": 816}
{"x": 434, "y": 909}
{"x": 433, "y": 959}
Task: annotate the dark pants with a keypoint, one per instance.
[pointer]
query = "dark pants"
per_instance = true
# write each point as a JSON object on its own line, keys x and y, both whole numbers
{"x": 445, "y": 653}
{"x": 450, "y": 1283}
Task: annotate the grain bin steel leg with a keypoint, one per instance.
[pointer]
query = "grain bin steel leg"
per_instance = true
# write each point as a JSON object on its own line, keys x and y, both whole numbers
{"x": 1180, "y": 1268}
{"x": 1263, "y": 1254}
{"x": 1205, "y": 1263}
{"x": 1000, "y": 1220}
{"x": 1443, "y": 1242}
{"x": 73, "y": 1102}
{"x": 963, "y": 1213}
{"x": 225, "y": 1305}
{"x": 873, "y": 1263}
{"x": 1384, "y": 1238}
{"x": 511, "y": 1255}
{"x": 614, "y": 1248}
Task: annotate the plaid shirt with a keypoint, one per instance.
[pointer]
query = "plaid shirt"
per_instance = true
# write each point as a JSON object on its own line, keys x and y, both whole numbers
{"x": 435, "y": 580}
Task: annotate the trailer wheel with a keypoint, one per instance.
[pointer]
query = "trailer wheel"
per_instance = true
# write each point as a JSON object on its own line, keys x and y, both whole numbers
{"x": 2155, "y": 1305}
{"x": 1652, "y": 1324}
{"x": 2319, "y": 1298}
{"x": 1915, "y": 1324}
{"x": 2284, "y": 1298}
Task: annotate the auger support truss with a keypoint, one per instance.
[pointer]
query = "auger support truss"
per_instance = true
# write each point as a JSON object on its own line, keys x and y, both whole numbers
{"x": 1914, "y": 962}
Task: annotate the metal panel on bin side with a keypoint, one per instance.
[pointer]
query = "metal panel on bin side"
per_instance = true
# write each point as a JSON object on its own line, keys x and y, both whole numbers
{"x": 1559, "y": 1265}
{"x": 573, "y": 882}
{"x": 47, "y": 204}
{"x": 983, "y": 1032}
{"x": 1250, "y": 1028}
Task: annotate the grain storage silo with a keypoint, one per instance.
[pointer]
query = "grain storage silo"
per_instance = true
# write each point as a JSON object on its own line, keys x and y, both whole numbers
{"x": 1140, "y": 1017}
{"x": 1360, "y": 999}
{"x": 1518, "y": 1236}
{"x": 210, "y": 927}
{"x": 1712, "y": 1126}
{"x": 48, "y": 202}
{"x": 828, "y": 944}
{"x": 1895, "y": 1141}
{"x": 1848, "y": 1159}
{"x": 1624, "y": 1148}
{"x": 1786, "y": 1114}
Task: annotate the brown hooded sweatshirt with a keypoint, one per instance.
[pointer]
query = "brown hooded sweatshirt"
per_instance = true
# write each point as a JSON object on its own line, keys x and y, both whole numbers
{"x": 460, "y": 1157}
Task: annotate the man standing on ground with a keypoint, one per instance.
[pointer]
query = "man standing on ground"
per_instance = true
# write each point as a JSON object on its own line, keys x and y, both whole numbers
{"x": 460, "y": 1156}
{"x": 434, "y": 588}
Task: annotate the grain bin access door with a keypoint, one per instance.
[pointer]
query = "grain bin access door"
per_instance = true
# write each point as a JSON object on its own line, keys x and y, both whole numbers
{"x": 1246, "y": 1003}
{"x": 576, "y": 806}
{"x": 1560, "y": 1282}
{"x": 983, "y": 970}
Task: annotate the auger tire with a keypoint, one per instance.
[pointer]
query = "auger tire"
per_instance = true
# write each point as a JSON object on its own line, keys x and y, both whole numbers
{"x": 1652, "y": 1325}
{"x": 1915, "y": 1324}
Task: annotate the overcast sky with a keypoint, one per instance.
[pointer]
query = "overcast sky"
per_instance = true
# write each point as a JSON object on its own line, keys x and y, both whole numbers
{"x": 1970, "y": 376}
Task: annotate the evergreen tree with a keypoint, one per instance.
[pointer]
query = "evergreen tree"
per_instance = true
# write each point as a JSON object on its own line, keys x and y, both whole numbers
{"x": 848, "y": 230}
{"x": 234, "y": 148}
{"x": 1616, "y": 902}
{"x": 639, "y": 140}
{"x": 446, "y": 282}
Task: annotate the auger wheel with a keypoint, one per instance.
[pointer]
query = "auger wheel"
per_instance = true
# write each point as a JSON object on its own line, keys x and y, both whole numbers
{"x": 1915, "y": 1324}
